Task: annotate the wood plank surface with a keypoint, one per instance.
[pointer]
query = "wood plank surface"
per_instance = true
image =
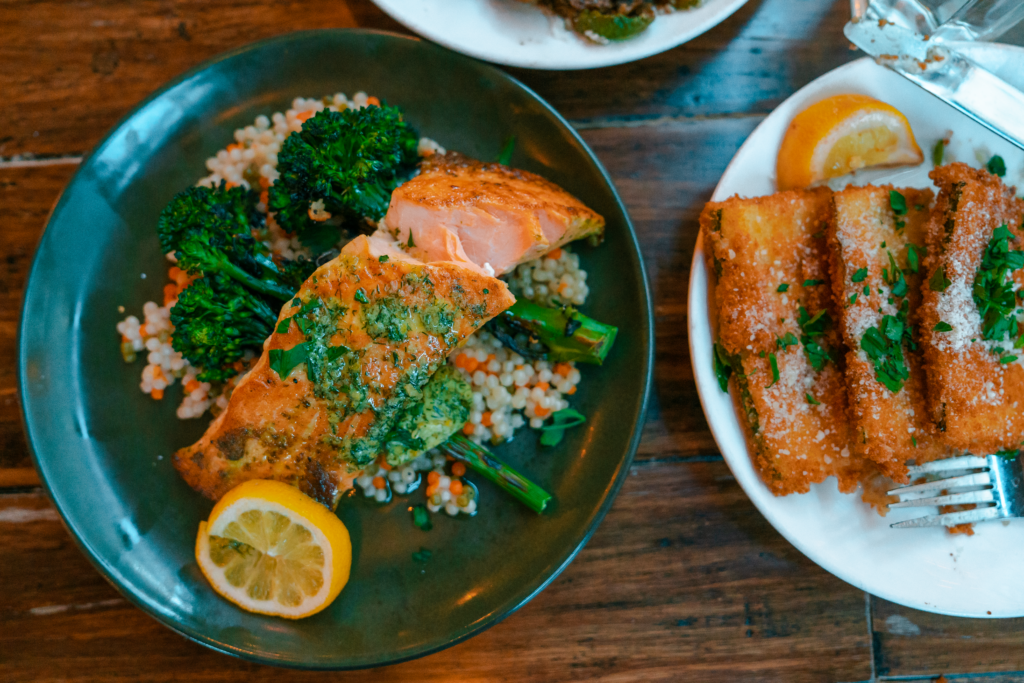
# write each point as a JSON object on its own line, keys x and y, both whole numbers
{"x": 684, "y": 580}
{"x": 87, "y": 68}
{"x": 707, "y": 593}
{"x": 909, "y": 641}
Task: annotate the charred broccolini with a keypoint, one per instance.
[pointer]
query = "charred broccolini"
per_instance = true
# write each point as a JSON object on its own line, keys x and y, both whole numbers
{"x": 215, "y": 321}
{"x": 232, "y": 305}
{"x": 351, "y": 161}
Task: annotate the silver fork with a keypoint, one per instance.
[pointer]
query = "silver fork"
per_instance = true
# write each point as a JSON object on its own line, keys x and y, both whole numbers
{"x": 995, "y": 484}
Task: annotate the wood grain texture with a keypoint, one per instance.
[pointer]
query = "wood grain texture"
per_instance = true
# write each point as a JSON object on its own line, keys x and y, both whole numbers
{"x": 909, "y": 641}
{"x": 708, "y": 593}
{"x": 684, "y": 580}
{"x": 26, "y": 196}
{"x": 80, "y": 71}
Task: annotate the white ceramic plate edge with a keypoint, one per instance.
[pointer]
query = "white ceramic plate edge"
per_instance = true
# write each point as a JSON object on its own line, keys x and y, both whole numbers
{"x": 557, "y": 50}
{"x": 728, "y": 433}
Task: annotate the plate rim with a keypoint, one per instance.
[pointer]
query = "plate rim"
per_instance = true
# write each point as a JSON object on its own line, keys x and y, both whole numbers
{"x": 698, "y": 268}
{"x": 152, "y": 609}
{"x": 729, "y": 7}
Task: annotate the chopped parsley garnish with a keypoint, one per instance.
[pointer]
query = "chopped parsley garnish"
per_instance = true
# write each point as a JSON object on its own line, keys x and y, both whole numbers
{"x": 775, "y": 368}
{"x": 487, "y": 291}
{"x": 867, "y": 290}
{"x": 723, "y": 366}
{"x": 283, "y": 362}
{"x": 1008, "y": 453}
{"x": 282, "y": 327}
{"x": 410, "y": 243}
{"x": 505, "y": 156}
{"x": 913, "y": 440}
{"x": 853, "y": 298}
{"x": 898, "y": 204}
{"x": 812, "y": 327}
{"x": 788, "y": 340}
{"x": 813, "y": 401}
{"x": 996, "y": 166}
{"x": 939, "y": 282}
{"x": 885, "y": 349}
{"x": 938, "y": 151}
{"x": 421, "y": 555}
{"x": 1007, "y": 359}
{"x": 383, "y": 258}
{"x": 360, "y": 296}
{"x": 813, "y": 283}
{"x": 859, "y": 275}
{"x": 421, "y": 518}
{"x": 914, "y": 254}
{"x": 993, "y": 286}
{"x": 784, "y": 287}
{"x": 336, "y": 352}
{"x": 893, "y": 277}
{"x": 943, "y": 327}
{"x": 561, "y": 420}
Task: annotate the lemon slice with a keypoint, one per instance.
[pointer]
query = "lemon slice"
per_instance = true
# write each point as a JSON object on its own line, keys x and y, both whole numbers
{"x": 271, "y": 549}
{"x": 841, "y": 134}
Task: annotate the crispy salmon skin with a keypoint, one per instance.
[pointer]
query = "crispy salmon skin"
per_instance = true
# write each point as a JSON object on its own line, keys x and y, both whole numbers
{"x": 876, "y": 243}
{"x": 775, "y": 313}
{"x": 488, "y": 213}
{"x": 353, "y": 348}
{"x": 976, "y": 385}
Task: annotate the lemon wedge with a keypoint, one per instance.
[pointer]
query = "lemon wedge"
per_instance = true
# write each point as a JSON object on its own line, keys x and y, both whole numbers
{"x": 271, "y": 549}
{"x": 841, "y": 134}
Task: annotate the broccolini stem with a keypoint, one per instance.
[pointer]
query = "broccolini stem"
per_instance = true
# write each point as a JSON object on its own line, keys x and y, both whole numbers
{"x": 268, "y": 287}
{"x": 486, "y": 463}
{"x": 562, "y": 334}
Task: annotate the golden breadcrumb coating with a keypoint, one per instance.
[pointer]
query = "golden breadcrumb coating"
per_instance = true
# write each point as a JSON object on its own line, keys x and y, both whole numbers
{"x": 890, "y": 428}
{"x": 797, "y": 424}
{"x": 975, "y": 400}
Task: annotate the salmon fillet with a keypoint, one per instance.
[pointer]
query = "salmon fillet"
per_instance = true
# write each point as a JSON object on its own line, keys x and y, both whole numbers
{"x": 976, "y": 400}
{"x": 866, "y": 237}
{"x": 354, "y": 347}
{"x": 458, "y": 208}
{"x": 774, "y": 303}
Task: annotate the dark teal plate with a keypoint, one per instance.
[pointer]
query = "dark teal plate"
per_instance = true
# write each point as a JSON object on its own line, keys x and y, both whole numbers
{"x": 103, "y": 448}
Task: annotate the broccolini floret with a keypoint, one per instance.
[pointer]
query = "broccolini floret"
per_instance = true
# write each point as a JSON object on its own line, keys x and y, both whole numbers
{"x": 350, "y": 160}
{"x": 215, "y": 321}
{"x": 210, "y": 231}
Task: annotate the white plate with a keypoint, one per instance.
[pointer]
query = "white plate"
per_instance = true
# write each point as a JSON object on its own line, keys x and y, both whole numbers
{"x": 517, "y": 34}
{"x": 927, "y": 569}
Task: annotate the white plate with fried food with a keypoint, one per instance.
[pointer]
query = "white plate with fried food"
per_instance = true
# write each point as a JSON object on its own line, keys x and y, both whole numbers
{"x": 518, "y": 33}
{"x": 929, "y": 569}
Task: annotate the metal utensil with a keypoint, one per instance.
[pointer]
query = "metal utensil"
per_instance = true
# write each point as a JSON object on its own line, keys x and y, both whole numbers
{"x": 915, "y": 40}
{"x": 994, "y": 484}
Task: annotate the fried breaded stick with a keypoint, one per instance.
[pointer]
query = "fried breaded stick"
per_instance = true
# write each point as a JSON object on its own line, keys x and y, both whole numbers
{"x": 775, "y": 314}
{"x": 876, "y": 246}
{"x": 975, "y": 385}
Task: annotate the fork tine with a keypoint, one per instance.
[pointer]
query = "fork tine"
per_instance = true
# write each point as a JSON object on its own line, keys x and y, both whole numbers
{"x": 951, "y": 518}
{"x": 975, "y": 479}
{"x": 966, "y": 462}
{"x": 984, "y": 496}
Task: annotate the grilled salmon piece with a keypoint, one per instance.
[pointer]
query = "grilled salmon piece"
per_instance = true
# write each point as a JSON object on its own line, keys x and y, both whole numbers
{"x": 354, "y": 347}
{"x": 490, "y": 213}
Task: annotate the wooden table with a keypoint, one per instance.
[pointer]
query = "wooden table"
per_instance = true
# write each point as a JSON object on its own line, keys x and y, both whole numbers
{"x": 684, "y": 580}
